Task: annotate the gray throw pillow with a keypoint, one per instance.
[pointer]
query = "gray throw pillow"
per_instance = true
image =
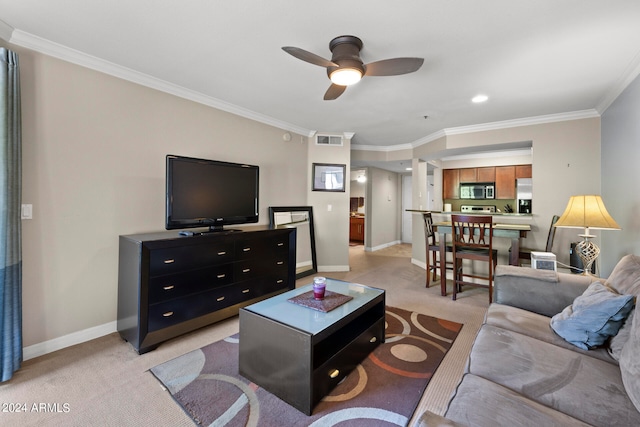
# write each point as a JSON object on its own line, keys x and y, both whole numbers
{"x": 593, "y": 317}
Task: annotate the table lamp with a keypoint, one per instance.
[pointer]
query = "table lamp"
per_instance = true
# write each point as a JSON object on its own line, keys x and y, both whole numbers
{"x": 588, "y": 212}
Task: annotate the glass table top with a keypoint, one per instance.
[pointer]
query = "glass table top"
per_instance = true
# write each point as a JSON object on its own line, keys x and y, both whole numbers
{"x": 310, "y": 320}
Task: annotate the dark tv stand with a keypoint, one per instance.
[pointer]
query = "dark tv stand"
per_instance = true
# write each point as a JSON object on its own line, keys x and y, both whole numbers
{"x": 169, "y": 284}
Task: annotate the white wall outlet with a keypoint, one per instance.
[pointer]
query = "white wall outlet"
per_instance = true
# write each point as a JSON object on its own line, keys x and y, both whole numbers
{"x": 26, "y": 211}
{"x": 329, "y": 208}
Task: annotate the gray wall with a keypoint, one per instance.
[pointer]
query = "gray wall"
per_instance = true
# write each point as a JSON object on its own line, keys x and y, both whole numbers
{"x": 621, "y": 176}
{"x": 383, "y": 220}
{"x": 330, "y": 209}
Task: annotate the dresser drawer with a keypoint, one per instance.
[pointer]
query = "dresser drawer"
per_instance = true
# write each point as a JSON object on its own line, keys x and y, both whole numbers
{"x": 178, "y": 310}
{"x": 176, "y": 259}
{"x": 256, "y": 267}
{"x": 252, "y": 247}
{"x": 163, "y": 288}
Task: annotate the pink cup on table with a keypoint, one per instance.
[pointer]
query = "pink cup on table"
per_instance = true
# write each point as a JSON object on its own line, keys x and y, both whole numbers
{"x": 319, "y": 287}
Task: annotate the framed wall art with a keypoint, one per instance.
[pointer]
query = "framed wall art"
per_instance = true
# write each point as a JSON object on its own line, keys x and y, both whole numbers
{"x": 328, "y": 177}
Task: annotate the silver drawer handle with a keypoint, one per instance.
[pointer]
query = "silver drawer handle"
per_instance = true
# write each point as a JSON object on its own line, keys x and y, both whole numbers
{"x": 280, "y": 262}
{"x": 167, "y": 314}
{"x": 280, "y": 244}
{"x": 222, "y": 253}
{"x": 246, "y": 249}
{"x": 374, "y": 339}
{"x": 334, "y": 373}
{"x": 168, "y": 288}
{"x": 169, "y": 261}
{"x": 221, "y": 276}
{"x": 280, "y": 281}
{"x": 246, "y": 291}
{"x": 246, "y": 270}
{"x": 220, "y": 299}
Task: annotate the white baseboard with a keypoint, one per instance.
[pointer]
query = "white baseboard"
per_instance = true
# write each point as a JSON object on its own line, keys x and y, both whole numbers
{"x": 419, "y": 263}
{"x": 385, "y": 245}
{"x": 68, "y": 340}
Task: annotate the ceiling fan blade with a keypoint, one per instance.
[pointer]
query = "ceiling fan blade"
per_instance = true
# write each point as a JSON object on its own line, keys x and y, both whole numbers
{"x": 308, "y": 56}
{"x": 393, "y": 67}
{"x": 333, "y": 92}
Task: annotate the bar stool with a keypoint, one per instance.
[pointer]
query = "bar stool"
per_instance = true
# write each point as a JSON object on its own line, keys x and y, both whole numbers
{"x": 433, "y": 248}
{"x": 472, "y": 240}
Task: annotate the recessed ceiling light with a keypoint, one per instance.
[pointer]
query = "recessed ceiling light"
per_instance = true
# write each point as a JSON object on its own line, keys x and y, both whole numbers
{"x": 479, "y": 98}
{"x": 409, "y": 169}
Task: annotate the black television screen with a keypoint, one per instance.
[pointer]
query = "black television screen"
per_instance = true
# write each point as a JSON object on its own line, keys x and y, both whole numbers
{"x": 210, "y": 193}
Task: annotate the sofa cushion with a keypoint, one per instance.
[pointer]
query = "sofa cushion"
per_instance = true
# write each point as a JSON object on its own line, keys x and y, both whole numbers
{"x": 593, "y": 317}
{"x": 617, "y": 342}
{"x": 536, "y": 326}
{"x": 630, "y": 362}
{"x": 479, "y": 402}
{"x": 582, "y": 387}
{"x": 625, "y": 277}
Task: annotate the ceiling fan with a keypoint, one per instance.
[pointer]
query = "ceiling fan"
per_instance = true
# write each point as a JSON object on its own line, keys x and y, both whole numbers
{"x": 346, "y": 67}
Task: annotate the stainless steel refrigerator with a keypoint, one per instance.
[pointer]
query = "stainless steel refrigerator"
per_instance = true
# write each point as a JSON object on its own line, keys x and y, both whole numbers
{"x": 524, "y": 195}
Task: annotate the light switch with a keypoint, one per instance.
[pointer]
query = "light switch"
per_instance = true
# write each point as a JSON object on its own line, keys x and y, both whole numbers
{"x": 27, "y": 211}
{"x": 329, "y": 208}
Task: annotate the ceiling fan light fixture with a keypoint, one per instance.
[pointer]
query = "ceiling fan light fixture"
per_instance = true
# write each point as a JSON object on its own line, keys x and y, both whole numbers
{"x": 345, "y": 76}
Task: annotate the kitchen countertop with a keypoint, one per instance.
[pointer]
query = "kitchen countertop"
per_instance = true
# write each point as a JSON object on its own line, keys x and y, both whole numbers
{"x": 513, "y": 214}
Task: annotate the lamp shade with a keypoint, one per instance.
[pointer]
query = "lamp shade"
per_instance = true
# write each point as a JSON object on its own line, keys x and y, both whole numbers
{"x": 587, "y": 212}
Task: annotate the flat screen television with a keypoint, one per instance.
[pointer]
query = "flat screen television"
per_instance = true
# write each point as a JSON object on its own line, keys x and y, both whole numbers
{"x": 210, "y": 193}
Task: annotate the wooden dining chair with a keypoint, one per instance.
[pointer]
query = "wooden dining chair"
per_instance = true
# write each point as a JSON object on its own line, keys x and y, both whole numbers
{"x": 472, "y": 238}
{"x": 433, "y": 249}
{"x": 525, "y": 253}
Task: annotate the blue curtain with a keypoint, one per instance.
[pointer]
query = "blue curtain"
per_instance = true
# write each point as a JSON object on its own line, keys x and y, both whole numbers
{"x": 10, "y": 226}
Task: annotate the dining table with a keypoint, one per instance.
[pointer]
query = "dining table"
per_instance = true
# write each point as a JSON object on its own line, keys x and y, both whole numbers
{"x": 514, "y": 232}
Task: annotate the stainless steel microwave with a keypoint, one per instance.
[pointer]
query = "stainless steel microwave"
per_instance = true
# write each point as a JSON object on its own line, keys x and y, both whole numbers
{"x": 477, "y": 190}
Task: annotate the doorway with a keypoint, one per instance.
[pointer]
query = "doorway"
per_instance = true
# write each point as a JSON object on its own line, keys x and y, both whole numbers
{"x": 357, "y": 209}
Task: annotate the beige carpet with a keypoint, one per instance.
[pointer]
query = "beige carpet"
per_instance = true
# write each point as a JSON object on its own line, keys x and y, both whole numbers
{"x": 104, "y": 382}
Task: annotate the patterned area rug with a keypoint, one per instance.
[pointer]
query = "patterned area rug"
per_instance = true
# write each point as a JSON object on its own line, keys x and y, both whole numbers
{"x": 384, "y": 390}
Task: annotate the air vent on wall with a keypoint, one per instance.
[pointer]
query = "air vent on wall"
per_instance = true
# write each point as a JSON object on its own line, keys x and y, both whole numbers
{"x": 328, "y": 140}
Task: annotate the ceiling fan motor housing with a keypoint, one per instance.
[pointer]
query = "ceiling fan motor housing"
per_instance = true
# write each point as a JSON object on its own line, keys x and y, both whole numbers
{"x": 346, "y": 53}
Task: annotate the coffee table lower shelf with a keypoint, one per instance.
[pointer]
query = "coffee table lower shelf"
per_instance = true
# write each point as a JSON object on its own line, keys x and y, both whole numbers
{"x": 301, "y": 367}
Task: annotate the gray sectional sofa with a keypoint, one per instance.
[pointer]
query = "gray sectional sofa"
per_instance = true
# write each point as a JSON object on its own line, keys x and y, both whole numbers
{"x": 522, "y": 373}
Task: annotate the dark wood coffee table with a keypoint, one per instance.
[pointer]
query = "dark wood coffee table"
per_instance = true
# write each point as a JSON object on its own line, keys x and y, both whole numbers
{"x": 299, "y": 354}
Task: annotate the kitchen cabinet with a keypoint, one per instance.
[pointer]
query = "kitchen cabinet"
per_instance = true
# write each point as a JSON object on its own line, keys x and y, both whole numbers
{"x": 505, "y": 182}
{"x": 451, "y": 183}
{"x": 487, "y": 174}
{"x": 484, "y": 174}
{"x": 468, "y": 175}
{"x": 523, "y": 171}
{"x": 356, "y": 229}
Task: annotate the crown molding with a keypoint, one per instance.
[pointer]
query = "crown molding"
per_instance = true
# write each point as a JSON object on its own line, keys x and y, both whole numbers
{"x": 5, "y": 31}
{"x": 38, "y": 44}
{"x": 382, "y": 148}
{"x": 528, "y": 121}
{"x": 632, "y": 71}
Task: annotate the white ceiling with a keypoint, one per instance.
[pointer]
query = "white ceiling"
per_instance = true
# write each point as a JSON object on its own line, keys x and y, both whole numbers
{"x": 532, "y": 58}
